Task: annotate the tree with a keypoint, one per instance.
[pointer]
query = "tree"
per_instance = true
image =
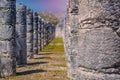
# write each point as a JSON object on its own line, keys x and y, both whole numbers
{"x": 48, "y": 16}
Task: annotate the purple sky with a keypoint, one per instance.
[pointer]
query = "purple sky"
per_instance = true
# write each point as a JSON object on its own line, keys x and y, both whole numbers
{"x": 55, "y": 6}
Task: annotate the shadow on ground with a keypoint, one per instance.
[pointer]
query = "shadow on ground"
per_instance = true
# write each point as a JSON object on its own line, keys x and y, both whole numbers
{"x": 36, "y": 63}
{"x": 29, "y": 72}
{"x": 45, "y": 53}
{"x": 41, "y": 57}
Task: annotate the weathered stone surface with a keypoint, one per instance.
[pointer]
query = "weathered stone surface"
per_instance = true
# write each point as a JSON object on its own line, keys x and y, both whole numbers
{"x": 21, "y": 34}
{"x": 92, "y": 39}
{"x": 84, "y": 74}
{"x": 7, "y": 38}
{"x": 35, "y": 40}
{"x": 29, "y": 33}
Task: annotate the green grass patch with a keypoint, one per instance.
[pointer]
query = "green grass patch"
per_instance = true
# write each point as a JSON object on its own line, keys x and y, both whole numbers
{"x": 55, "y": 45}
{"x": 57, "y": 40}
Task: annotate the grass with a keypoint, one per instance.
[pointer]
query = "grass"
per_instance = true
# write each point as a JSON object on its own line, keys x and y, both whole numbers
{"x": 49, "y": 64}
{"x": 55, "y": 46}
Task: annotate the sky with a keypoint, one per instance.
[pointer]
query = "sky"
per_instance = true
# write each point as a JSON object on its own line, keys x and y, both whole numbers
{"x": 54, "y": 6}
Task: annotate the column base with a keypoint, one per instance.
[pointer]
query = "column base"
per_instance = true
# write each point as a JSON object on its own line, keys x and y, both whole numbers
{"x": 85, "y": 74}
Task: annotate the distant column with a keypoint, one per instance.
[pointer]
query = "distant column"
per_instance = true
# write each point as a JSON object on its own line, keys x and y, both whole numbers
{"x": 45, "y": 33}
{"x": 48, "y": 33}
{"x": 39, "y": 34}
{"x": 29, "y": 34}
{"x": 51, "y": 34}
{"x": 42, "y": 33}
{"x": 53, "y": 31}
{"x": 7, "y": 37}
{"x": 21, "y": 34}
{"x": 35, "y": 40}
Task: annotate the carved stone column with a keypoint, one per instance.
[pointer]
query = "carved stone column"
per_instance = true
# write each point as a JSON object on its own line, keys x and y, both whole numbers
{"x": 21, "y": 34}
{"x": 7, "y": 37}
{"x": 35, "y": 45}
{"x": 45, "y": 33}
{"x": 39, "y": 34}
{"x": 92, "y": 40}
{"x": 29, "y": 33}
{"x": 42, "y": 33}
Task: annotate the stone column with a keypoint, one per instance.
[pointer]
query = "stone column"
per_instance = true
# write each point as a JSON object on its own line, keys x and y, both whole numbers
{"x": 29, "y": 33}
{"x": 71, "y": 39}
{"x": 53, "y": 31}
{"x": 7, "y": 37}
{"x": 67, "y": 44}
{"x": 42, "y": 33}
{"x": 94, "y": 40}
{"x": 39, "y": 34}
{"x": 50, "y": 32}
{"x": 21, "y": 34}
{"x": 46, "y": 31}
{"x": 35, "y": 40}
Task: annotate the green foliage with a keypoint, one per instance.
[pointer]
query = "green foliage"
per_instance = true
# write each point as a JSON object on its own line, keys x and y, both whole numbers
{"x": 49, "y": 17}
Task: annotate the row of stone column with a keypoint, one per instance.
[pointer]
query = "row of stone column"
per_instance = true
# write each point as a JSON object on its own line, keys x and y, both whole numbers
{"x": 22, "y": 35}
{"x": 92, "y": 39}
